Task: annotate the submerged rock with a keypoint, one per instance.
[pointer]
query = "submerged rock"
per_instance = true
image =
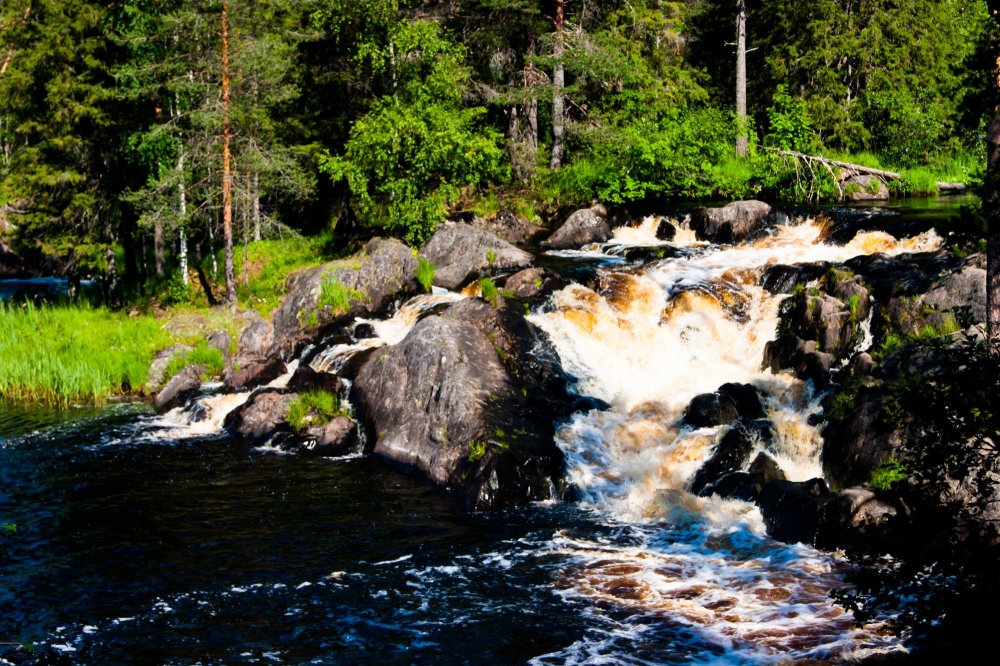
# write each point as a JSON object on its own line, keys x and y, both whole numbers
{"x": 730, "y": 403}
{"x": 336, "y": 438}
{"x": 461, "y": 253}
{"x": 587, "y": 225}
{"x": 793, "y": 511}
{"x": 469, "y": 400}
{"x": 731, "y": 455}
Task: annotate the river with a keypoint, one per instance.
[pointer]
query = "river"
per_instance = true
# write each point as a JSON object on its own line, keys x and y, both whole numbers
{"x": 142, "y": 541}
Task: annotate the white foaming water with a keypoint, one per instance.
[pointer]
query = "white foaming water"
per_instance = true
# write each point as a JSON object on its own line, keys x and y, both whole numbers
{"x": 387, "y": 331}
{"x": 647, "y": 341}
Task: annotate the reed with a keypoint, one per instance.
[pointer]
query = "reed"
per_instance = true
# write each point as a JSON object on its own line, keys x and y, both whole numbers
{"x": 60, "y": 356}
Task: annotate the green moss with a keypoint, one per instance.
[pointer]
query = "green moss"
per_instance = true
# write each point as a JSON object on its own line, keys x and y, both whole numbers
{"x": 314, "y": 408}
{"x": 854, "y": 303}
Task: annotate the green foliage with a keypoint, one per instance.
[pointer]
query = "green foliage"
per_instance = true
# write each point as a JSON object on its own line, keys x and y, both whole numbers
{"x": 266, "y": 265}
{"x": 789, "y": 123}
{"x": 407, "y": 159}
{"x": 477, "y": 450}
{"x": 425, "y": 274}
{"x": 489, "y": 290}
{"x": 314, "y": 408}
{"x": 843, "y": 403}
{"x": 203, "y": 354}
{"x": 891, "y": 343}
{"x": 8, "y": 528}
{"x": 888, "y": 475}
{"x": 62, "y": 355}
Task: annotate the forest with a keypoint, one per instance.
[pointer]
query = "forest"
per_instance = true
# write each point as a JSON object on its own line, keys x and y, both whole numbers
{"x": 389, "y": 116}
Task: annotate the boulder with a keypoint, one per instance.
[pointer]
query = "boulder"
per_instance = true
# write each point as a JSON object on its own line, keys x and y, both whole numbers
{"x": 863, "y": 187}
{"x": 256, "y": 340}
{"x": 182, "y": 386}
{"x": 860, "y": 439}
{"x": 469, "y": 400}
{"x": 734, "y": 222}
{"x": 158, "y": 368}
{"x": 384, "y": 275}
{"x": 461, "y": 253}
{"x": 665, "y": 231}
{"x": 221, "y": 340}
{"x": 789, "y": 352}
{"x": 834, "y": 325}
{"x": 855, "y": 517}
{"x": 782, "y": 278}
{"x": 255, "y": 373}
{"x": 265, "y": 413}
{"x": 730, "y": 403}
{"x": 533, "y": 284}
{"x": 509, "y": 226}
{"x": 793, "y": 511}
{"x": 336, "y": 438}
{"x": 587, "y": 225}
{"x": 306, "y": 379}
{"x": 731, "y": 454}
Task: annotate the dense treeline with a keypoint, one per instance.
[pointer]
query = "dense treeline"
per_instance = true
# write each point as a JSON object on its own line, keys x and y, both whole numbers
{"x": 397, "y": 113}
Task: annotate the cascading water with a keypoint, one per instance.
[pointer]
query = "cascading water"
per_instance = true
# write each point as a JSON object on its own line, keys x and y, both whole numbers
{"x": 646, "y": 342}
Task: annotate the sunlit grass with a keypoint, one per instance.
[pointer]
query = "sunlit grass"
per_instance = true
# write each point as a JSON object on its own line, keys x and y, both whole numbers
{"x": 74, "y": 354}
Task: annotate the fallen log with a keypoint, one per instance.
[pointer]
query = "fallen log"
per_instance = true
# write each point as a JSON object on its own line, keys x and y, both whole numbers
{"x": 847, "y": 166}
{"x": 951, "y": 187}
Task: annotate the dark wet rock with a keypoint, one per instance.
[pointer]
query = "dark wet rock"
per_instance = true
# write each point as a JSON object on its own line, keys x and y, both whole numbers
{"x": 730, "y": 403}
{"x": 863, "y": 187}
{"x": 789, "y": 352}
{"x": 585, "y": 226}
{"x": 782, "y": 279}
{"x": 181, "y": 386}
{"x": 461, "y": 253}
{"x": 834, "y": 325}
{"x": 855, "y": 517}
{"x": 158, "y": 368}
{"x": 732, "y": 454}
{"x": 384, "y": 275}
{"x": 336, "y": 438}
{"x": 264, "y": 414}
{"x": 862, "y": 365}
{"x": 793, "y": 511}
{"x": 665, "y": 231}
{"x": 765, "y": 469}
{"x": 860, "y": 439}
{"x": 364, "y": 330}
{"x": 255, "y": 373}
{"x": 306, "y": 379}
{"x": 735, "y": 222}
{"x": 904, "y": 274}
{"x": 534, "y": 283}
{"x": 469, "y": 399}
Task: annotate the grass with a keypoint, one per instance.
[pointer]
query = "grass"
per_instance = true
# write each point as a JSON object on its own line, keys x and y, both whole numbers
{"x": 261, "y": 275}
{"x": 314, "y": 408}
{"x": 204, "y": 355}
{"x": 59, "y": 356}
{"x": 334, "y": 294}
{"x": 425, "y": 274}
{"x": 489, "y": 290}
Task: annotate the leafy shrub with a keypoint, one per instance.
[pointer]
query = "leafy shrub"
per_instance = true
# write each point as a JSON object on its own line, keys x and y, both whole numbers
{"x": 789, "y": 125}
{"x": 887, "y": 475}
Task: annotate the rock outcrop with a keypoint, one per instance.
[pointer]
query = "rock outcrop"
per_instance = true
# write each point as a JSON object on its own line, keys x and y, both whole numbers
{"x": 587, "y": 225}
{"x": 461, "y": 253}
{"x": 181, "y": 386}
{"x": 469, "y": 399}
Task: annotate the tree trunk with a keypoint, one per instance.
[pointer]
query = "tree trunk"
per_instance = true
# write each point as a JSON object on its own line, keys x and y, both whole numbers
{"x": 159, "y": 260}
{"x": 227, "y": 175}
{"x": 255, "y": 193}
{"x": 741, "y": 77}
{"x": 558, "y": 82}
{"x": 991, "y": 201}
{"x": 112, "y": 288}
{"x": 182, "y": 250}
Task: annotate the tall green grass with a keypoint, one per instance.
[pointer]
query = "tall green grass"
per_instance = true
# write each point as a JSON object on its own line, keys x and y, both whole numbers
{"x": 64, "y": 355}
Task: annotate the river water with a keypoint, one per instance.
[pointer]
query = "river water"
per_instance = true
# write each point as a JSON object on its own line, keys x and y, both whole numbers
{"x": 154, "y": 540}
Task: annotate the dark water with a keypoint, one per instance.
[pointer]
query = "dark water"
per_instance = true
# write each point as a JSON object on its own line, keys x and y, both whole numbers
{"x": 132, "y": 550}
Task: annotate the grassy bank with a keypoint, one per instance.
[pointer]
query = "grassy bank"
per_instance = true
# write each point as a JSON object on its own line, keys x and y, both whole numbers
{"x": 65, "y": 355}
